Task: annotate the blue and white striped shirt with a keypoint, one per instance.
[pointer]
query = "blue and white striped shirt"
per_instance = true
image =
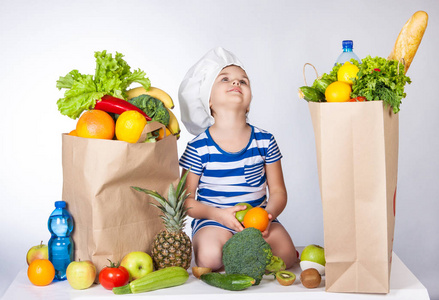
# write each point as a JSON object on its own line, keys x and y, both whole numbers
{"x": 230, "y": 178}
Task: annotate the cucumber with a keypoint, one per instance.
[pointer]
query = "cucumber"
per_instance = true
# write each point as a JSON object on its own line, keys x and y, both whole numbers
{"x": 231, "y": 282}
{"x": 164, "y": 278}
{"x": 321, "y": 84}
{"x": 311, "y": 94}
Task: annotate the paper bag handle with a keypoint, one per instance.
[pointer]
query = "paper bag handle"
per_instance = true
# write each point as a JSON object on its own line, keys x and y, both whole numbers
{"x": 150, "y": 127}
{"x": 304, "y": 77}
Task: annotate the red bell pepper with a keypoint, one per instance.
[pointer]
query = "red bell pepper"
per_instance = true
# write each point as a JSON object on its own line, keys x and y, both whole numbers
{"x": 118, "y": 106}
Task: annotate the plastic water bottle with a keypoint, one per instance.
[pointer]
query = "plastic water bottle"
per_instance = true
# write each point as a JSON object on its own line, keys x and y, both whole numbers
{"x": 347, "y": 53}
{"x": 60, "y": 245}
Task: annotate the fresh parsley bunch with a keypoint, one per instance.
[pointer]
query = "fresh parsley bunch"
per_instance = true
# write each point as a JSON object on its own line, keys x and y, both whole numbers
{"x": 380, "y": 79}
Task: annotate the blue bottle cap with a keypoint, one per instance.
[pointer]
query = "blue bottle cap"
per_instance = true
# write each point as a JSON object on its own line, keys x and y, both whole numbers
{"x": 348, "y": 44}
{"x": 60, "y": 204}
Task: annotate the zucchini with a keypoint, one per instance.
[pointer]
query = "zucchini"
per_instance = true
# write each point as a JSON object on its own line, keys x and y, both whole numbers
{"x": 164, "y": 278}
{"x": 231, "y": 282}
{"x": 311, "y": 94}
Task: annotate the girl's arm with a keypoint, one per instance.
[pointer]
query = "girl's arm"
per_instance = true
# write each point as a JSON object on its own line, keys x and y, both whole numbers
{"x": 198, "y": 210}
{"x": 277, "y": 191}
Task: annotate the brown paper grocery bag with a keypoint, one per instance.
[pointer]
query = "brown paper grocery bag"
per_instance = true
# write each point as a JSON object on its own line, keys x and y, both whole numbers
{"x": 110, "y": 218}
{"x": 357, "y": 159}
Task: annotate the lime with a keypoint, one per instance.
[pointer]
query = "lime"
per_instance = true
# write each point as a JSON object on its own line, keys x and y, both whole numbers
{"x": 240, "y": 214}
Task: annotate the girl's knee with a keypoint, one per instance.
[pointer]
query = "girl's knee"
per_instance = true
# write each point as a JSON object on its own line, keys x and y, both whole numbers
{"x": 289, "y": 257}
{"x": 208, "y": 260}
{"x": 282, "y": 245}
{"x": 208, "y": 244}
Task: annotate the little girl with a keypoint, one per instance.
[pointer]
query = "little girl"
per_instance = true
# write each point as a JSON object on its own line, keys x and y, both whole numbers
{"x": 230, "y": 161}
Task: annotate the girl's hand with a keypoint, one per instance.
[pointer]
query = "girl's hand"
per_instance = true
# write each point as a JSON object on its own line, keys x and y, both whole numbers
{"x": 226, "y": 216}
{"x": 265, "y": 233}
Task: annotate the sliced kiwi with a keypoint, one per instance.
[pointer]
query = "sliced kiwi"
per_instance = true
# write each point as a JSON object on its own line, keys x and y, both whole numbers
{"x": 285, "y": 277}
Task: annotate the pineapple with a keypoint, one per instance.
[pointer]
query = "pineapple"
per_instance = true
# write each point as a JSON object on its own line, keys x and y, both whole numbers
{"x": 171, "y": 246}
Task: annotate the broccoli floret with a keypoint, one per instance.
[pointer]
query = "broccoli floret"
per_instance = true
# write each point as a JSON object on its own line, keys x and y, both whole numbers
{"x": 247, "y": 253}
{"x": 161, "y": 115}
{"x": 276, "y": 264}
{"x": 153, "y": 107}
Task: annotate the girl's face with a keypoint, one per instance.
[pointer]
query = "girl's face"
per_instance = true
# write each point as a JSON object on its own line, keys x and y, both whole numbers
{"x": 231, "y": 90}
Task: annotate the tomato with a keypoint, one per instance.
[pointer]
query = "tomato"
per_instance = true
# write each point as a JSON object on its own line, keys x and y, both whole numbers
{"x": 358, "y": 99}
{"x": 113, "y": 276}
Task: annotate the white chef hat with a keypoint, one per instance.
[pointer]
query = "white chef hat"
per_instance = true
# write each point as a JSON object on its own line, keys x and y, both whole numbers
{"x": 194, "y": 91}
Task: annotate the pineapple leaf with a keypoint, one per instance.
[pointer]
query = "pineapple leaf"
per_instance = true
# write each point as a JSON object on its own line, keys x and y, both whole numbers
{"x": 162, "y": 201}
{"x": 154, "y": 194}
{"x": 182, "y": 183}
{"x": 181, "y": 200}
{"x": 174, "y": 212}
{"x": 168, "y": 215}
{"x": 159, "y": 207}
{"x": 172, "y": 197}
{"x": 166, "y": 208}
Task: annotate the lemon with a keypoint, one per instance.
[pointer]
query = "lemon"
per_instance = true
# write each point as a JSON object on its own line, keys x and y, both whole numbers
{"x": 338, "y": 91}
{"x": 129, "y": 126}
{"x": 347, "y": 72}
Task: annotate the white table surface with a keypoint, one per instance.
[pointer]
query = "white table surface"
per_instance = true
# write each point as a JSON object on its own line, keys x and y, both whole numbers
{"x": 403, "y": 285}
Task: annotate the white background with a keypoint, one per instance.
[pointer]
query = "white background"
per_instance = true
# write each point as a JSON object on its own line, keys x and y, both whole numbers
{"x": 42, "y": 40}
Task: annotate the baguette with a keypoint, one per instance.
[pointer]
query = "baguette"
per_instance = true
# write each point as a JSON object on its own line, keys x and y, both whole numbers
{"x": 409, "y": 39}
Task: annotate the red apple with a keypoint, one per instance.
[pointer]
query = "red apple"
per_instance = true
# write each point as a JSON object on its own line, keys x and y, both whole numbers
{"x": 138, "y": 264}
{"x": 81, "y": 274}
{"x": 40, "y": 251}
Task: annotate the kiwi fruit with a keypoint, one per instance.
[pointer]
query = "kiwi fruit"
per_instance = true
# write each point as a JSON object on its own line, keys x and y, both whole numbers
{"x": 285, "y": 277}
{"x": 198, "y": 271}
{"x": 310, "y": 278}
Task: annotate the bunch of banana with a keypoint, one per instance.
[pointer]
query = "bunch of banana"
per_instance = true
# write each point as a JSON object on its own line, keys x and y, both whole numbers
{"x": 161, "y": 95}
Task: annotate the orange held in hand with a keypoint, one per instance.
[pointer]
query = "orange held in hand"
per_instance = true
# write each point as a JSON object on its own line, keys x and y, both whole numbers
{"x": 96, "y": 124}
{"x": 41, "y": 272}
{"x": 256, "y": 217}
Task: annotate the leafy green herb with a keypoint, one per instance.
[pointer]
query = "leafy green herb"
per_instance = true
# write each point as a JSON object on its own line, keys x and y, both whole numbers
{"x": 332, "y": 76}
{"x": 112, "y": 77}
{"x": 326, "y": 79}
{"x": 381, "y": 79}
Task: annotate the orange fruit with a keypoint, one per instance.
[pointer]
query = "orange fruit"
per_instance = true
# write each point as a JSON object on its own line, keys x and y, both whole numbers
{"x": 256, "y": 217}
{"x": 95, "y": 124}
{"x": 41, "y": 272}
{"x": 129, "y": 126}
{"x": 338, "y": 91}
{"x": 73, "y": 132}
{"x": 162, "y": 133}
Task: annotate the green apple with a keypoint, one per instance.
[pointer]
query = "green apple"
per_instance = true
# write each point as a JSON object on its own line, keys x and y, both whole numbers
{"x": 313, "y": 256}
{"x": 240, "y": 214}
{"x": 138, "y": 264}
{"x": 40, "y": 251}
{"x": 81, "y": 274}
